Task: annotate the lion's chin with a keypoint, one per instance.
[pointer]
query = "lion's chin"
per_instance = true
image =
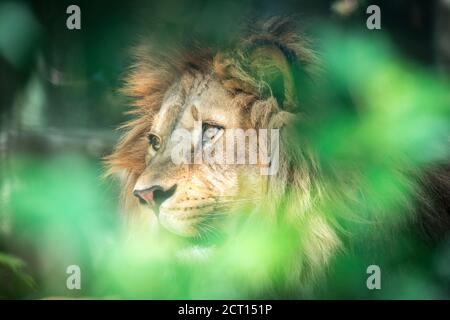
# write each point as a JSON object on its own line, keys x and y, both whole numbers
{"x": 181, "y": 227}
{"x": 193, "y": 232}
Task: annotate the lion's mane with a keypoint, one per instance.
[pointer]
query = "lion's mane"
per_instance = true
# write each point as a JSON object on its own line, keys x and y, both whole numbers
{"x": 300, "y": 193}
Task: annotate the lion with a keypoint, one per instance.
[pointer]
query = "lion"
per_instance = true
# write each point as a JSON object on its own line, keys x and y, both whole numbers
{"x": 255, "y": 83}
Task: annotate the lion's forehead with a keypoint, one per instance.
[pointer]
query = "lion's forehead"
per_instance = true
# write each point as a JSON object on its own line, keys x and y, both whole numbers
{"x": 206, "y": 94}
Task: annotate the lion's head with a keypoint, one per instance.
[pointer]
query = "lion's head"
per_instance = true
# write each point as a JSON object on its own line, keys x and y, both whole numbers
{"x": 253, "y": 84}
{"x": 259, "y": 83}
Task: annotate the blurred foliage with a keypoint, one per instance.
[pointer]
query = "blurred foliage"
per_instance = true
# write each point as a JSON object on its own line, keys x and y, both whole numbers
{"x": 372, "y": 111}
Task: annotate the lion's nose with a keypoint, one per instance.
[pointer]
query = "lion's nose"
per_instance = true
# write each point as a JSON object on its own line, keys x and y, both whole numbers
{"x": 154, "y": 196}
{"x": 145, "y": 196}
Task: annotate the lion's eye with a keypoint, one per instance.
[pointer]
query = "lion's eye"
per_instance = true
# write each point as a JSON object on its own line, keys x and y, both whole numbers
{"x": 210, "y": 132}
{"x": 154, "y": 141}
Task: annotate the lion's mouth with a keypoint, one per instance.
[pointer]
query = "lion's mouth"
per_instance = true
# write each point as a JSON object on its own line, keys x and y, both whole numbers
{"x": 205, "y": 235}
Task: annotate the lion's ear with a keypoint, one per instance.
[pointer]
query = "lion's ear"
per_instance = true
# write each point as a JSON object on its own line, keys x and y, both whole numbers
{"x": 271, "y": 64}
{"x": 263, "y": 68}
{"x": 277, "y": 67}
{"x": 272, "y": 59}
